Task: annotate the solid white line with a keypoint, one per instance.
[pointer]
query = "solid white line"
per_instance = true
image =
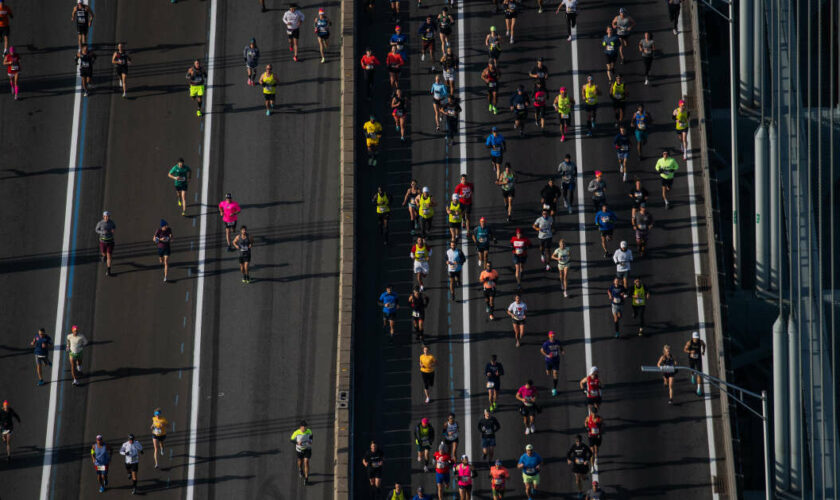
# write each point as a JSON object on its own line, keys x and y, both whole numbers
{"x": 202, "y": 254}
{"x": 465, "y": 278}
{"x": 580, "y": 188}
{"x": 701, "y": 311}
{"x": 46, "y": 470}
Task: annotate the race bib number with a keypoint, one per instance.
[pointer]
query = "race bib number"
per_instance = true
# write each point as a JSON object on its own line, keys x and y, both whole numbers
{"x": 641, "y": 126}
{"x": 564, "y": 116}
{"x": 492, "y": 85}
{"x": 530, "y": 470}
{"x": 491, "y": 384}
{"x": 498, "y": 481}
{"x": 101, "y": 468}
{"x": 616, "y": 300}
{"x": 519, "y": 251}
{"x": 415, "y": 314}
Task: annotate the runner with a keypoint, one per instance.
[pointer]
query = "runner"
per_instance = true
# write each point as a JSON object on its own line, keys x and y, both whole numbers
{"x": 666, "y": 166}
{"x": 251, "y": 56}
{"x": 562, "y": 255}
{"x": 451, "y": 433}
{"x": 640, "y": 296}
{"x": 83, "y": 17}
{"x": 397, "y": 493}
{"x": 520, "y": 245}
{"x": 497, "y": 145}
{"x": 612, "y": 45}
{"x": 622, "y": 258}
{"x": 563, "y": 105}
{"x": 498, "y": 480}
{"x": 7, "y": 427}
{"x": 507, "y": 182}
{"x": 268, "y": 80}
{"x": 493, "y": 371}
{"x": 593, "y": 424}
{"x": 571, "y": 15}
{"x": 382, "y": 201}
{"x": 639, "y": 195}
{"x": 322, "y": 31}
{"x": 439, "y": 92}
{"x": 511, "y": 8}
{"x": 426, "y": 209}
{"x": 647, "y": 48}
{"x": 549, "y": 195}
{"x": 617, "y": 293}
{"x": 197, "y": 78}
{"x": 527, "y": 397}
{"x": 591, "y": 385}
{"x": 163, "y": 241}
{"x": 642, "y": 224}
{"x": 5, "y": 15}
{"x": 158, "y": 427}
{"x": 243, "y": 243}
{"x": 389, "y": 302}
{"x": 465, "y": 190}
{"x": 488, "y": 426}
{"x": 76, "y": 342}
{"x": 539, "y": 73}
{"x": 302, "y": 438}
{"x": 696, "y": 349}
{"x": 455, "y": 216}
{"x": 543, "y": 227}
{"x": 567, "y": 172}
{"x": 421, "y": 253}
{"x": 418, "y": 303}
{"x": 674, "y": 13}
{"x": 605, "y": 220}
{"x": 465, "y": 474}
{"x": 589, "y": 93}
{"x": 229, "y": 211}
{"x": 551, "y": 351}
{"x": 681, "y": 117}
{"x": 519, "y": 103}
{"x": 399, "y": 41}
{"x": 423, "y": 435}
{"x": 180, "y": 173}
{"x": 85, "y": 60}
{"x": 490, "y": 75}
{"x": 623, "y": 24}
{"x": 445, "y": 22}
{"x": 369, "y": 63}
{"x": 493, "y": 43}
{"x": 618, "y": 94}
{"x": 531, "y": 464}
{"x": 120, "y": 59}
{"x": 455, "y": 260}
{"x": 481, "y": 236}
{"x": 579, "y": 457}
{"x": 12, "y": 62}
{"x": 100, "y": 457}
{"x": 427, "y": 32}
{"x": 131, "y": 450}
{"x": 451, "y": 109}
{"x": 42, "y": 344}
{"x": 449, "y": 64}
{"x": 540, "y": 100}
{"x": 373, "y": 461}
{"x": 394, "y": 60}
{"x": 596, "y": 493}
{"x": 373, "y": 133}
{"x": 443, "y": 461}
{"x": 410, "y": 199}
{"x": 293, "y": 18}
{"x": 639, "y": 123}
{"x": 667, "y": 359}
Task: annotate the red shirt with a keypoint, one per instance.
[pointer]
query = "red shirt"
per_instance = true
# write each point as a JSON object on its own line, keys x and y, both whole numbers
{"x": 13, "y": 63}
{"x": 520, "y": 245}
{"x": 369, "y": 62}
{"x": 442, "y": 462}
{"x": 394, "y": 60}
{"x": 593, "y": 425}
{"x": 540, "y": 97}
{"x": 593, "y": 386}
{"x": 464, "y": 191}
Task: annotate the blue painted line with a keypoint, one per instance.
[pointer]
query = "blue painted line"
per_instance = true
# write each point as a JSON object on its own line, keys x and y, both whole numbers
{"x": 187, "y": 296}
{"x": 176, "y": 399}
{"x": 182, "y": 348}
{"x": 184, "y": 325}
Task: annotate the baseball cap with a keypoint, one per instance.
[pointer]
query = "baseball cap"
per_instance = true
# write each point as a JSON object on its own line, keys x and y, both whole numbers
{"x": 529, "y": 447}
{"x": 454, "y": 196}
{"x": 74, "y": 328}
{"x": 492, "y": 28}
{"x": 643, "y": 205}
{"x": 320, "y": 11}
{"x": 518, "y": 231}
{"x": 99, "y": 437}
{"x": 593, "y": 370}
{"x": 420, "y": 489}
{"x": 425, "y": 189}
{"x": 464, "y": 457}
{"x": 425, "y": 421}
{"x": 623, "y": 244}
{"x": 540, "y": 59}
{"x": 163, "y": 223}
{"x": 622, "y": 10}
{"x": 681, "y": 103}
{"x": 598, "y": 173}
{"x": 228, "y": 196}
{"x": 562, "y": 89}
{"x": 482, "y": 220}
{"x": 157, "y": 412}
{"x": 5, "y": 402}
{"x": 498, "y": 462}
{"x": 106, "y": 213}
{"x": 130, "y": 436}
{"x": 253, "y": 40}
{"x": 494, "y": 129}
{"x": 695, "y": 335}
{"x": 551, "y": 333}
{"x": 397, "y": 27}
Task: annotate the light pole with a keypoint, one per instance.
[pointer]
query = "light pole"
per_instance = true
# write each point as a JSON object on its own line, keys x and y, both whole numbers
{"x": 738, "y": 394}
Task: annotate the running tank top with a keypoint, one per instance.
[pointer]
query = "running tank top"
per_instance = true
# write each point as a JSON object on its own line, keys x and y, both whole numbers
{"x": 694, "y": 350}
{"x": 81, "y": 17}
{"x": 590, "y": 92}
{"x": 244, "y": 242}
{"x": 593, "y": 386}
{"x": 426, "y": 210}
{"x": 681, "y": 119}
{"x": 455, "y": 212}
{"x": 621, "y": 25}
{"x": 382, "y": 203}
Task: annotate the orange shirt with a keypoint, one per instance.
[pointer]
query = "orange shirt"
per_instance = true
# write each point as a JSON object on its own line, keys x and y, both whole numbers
{"x": 498, "y": 476}
{"x": 5, "y": 12}
{"x": 489, "y": 279}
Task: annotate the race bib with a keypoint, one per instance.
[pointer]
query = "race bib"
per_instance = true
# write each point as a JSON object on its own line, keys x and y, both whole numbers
{"x": 616, "y": 300}
{"x": 491, "y": 85}
{"x": 519, "y": 251}
{"x": 641, "y": 126}
{"x": 491, "y": 384}
{"x": 564, "y": 116}
{"x": 415, "y": 314}
{"x": 101, "y": 468}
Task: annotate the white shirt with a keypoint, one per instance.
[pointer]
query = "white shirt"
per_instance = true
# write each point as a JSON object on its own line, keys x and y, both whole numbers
{"x": 623, "y": 259}
{"x": 76, "y": 342}
{"x": 293, "y": 20}
{"x": 571, "y": 6}
{"x": 131, "y": 451}
{"x": 544, "y": 225}
{"x": 518, "y": 310}
{"x": 453, "y": 260}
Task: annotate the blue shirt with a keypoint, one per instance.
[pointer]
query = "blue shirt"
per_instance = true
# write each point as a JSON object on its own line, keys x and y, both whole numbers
{"x": 617, "y": 293}
{"x": 439, "y": 91}
{"x": 495, "y": 371}
{"x": 322, "y": 26}
{"x": 496, "y": 144}
{"x": 519, "y": 101}
{"x": 42, "y": 345}
{"x": 605, "y": 220}
{"x": 418, "y": 497}
{"x": 100, "y": 454}
{"x": 641, "y": 121}
{"x": 401, "y": 40}
{"x": 530, "y": 463}
{"x": 551, "y": 347}
{"x": 610, "y": 43}
{"x": 427, "y": 31}
{"x": 389, "y": 302}
{"x": 622, "y": 142}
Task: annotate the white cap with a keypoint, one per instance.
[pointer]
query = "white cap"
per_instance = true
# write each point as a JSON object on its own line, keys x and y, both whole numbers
{"x": 593, "y": 370}
{"x": 425, "y": 189}
{"x": 529, "y": 447}
{"x": 695, "y": 335}
{"x": 623, "y": 244}
{"x": 454, "y": 196}
{"x": 106, "y": 213}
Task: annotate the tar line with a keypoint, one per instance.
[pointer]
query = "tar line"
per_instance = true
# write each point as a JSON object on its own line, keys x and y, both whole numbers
{"x": 202, "y": 254}
{"x": 70, "y": 207}
{"x": 695, "y": 246}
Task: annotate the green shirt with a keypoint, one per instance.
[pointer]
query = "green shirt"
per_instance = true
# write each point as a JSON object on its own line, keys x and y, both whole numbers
{"x": 509, "y": 182}
{"x": 181, "y": 173}
{"x": 666, "y": 167}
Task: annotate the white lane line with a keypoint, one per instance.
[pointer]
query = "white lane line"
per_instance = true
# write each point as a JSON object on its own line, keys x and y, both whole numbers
{"x": 695, "y": 246}
{"x": 72, "y": 165}
{"x": 579, "y": 187}
{"x": 202, "y": 255}
{"x": 465, "y": 278}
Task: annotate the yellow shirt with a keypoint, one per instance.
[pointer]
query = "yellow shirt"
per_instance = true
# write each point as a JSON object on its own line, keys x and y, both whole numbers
{"x": 269, "y": 83}
{"x": 159, "y": 426}
{"x": 373, "y": 131}
{"x": 426, "y": 209}
{"x": 427, "y": 363}
{"x": 590, "y": 93}
{"x": 681, "y": 115}
{"x": 564, "y": 105}
{"x": 455, "y": 212}
{"x": 382, "y": 203}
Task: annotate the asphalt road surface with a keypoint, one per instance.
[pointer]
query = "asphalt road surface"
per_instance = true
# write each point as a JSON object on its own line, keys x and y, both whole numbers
{"x": 650, "y": 449}
{"x": 268, "y": 348}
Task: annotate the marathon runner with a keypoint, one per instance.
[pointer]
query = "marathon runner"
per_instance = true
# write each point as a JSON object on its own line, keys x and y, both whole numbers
{"x": 397, "y": 493}
{"x": 451, "y": 433}
{"x": 420, "y": 252}
{"x": 589, "y": 93}
{"x": 158, "y": 427}
{"x": 493, "y": 43}
{"x": 455, "y": 260}
{"x": 268, "y": 80}
{"x": 439, "y": 92}
{"x": 424, "y": 433}
{"x": 7, "y": 426}
{"x": 455, "y": 215}
{"x": 527, "y": 397}
{"x": 443, "y": 462}
{"x": 596, "y": 493}
{"x": 445, "y": 22}
{"x": 520, "y": 245}
{"x": 496, "y": 143}
{"x": 618, "y": 94}
{"x": 681, "y": 120}
{"x": 567, "y": 172}
{"x": 389, "y": 302}
{"x": 617, "y": 293}
{"x": 623, "y": 24}
{"x": 593, "y": 423}
{"x": 539, "y": 73}
{"x": 511, "y": 8}
{"x": 451, "y": 109}
{"x": 418, "y": 303}
{"x": 42, "y": 344}
{"x": 498, "y": 480}
{"x": 579, "y": 457}
{"x": 488, "y": 426}
{"x": 85, "y": 60}
{"x": 382, "y": 201}
{"x": 696, "y": 349}
{"x": 131, "y": 450}
{"x": 449, "y": 64}
{"x": 642, "y": 224}
{"x": 667, "y": 167}
{"x": 426, "y": 208}
{"x": 571, "y": 15}
{"x": 531, "y": 464}
{"x": 493, "y": 370}
{"x": 373, "y": 133}
{"x": 605, "y": 220}
{"x": 410, "y": 199}
{"x": 563, "y": 105}
{"x": 163, "y": 240}
{"x": 667, "y": 359}
{"x": 427, "y": 33}
{"x": 562, "y": 255}
{"x": 197, "y": 77}
{"x": 395, "y": 61}
{"x": 181, "y": 173}
{"x": 622, "y": 258}
{"x": 519, "y": 103}
{"x": 11, "y": 60}
{"x": 5, "y": 15}
{"x": 540, "y": 100}
{"x": 639, "y": 298}
{"x": 551, "y": 351}
{"x": 549, "y": 195}
{"x": 647, "y": 48}
{"x": 481, "y": 236}
{"x": 100, "y": 457}
{"x": 639, "y": 123}
{"x": 243, "y": 243}
{"x": 251, "y": 56}
{"x": 507, "y": 182}
{"x": 490, "y": 76}
{"x": 120, "y": 59}
{"x": 302, "y": 438}
{"x": 399, "y": 41}
{"x": 83, "y": 17}
{"x": 543, "y": 227}
{"x": 591, "y": 386}
{"x": 322, "y": 31}
{"x": 638, "y": 195}
{"x": 611, "y": 45}
{"x": 293, "y": 18}
{"x": 373, "y": 461}
{"x": 465, "y": 473}
{"x": 76, "y": 342}
{"x": 369, "y": 63}
{"x": 229, "y": 211}
{"x": 465, "y": 190}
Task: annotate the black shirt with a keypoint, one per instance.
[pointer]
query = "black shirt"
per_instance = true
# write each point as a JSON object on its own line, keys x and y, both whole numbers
{"x": 638, "y": 195}
{"x": 541, "y": 74}
{"x": 86, "y": 60}
{"x": 550, "y": 194}
{"x": 495, "y": 371}
{"x": 6, "y": 422}
{"x": 451, "y": 110}
{"x": 579, "y": 454}
{"x": 374, "y": 459}
{"x": 488, "y": 427}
